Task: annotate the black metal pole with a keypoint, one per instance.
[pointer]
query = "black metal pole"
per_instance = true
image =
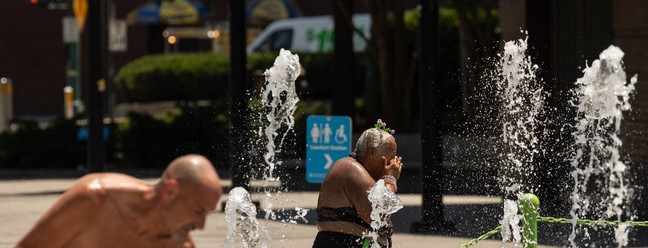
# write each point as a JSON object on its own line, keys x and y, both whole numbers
{"x": 343, "y": 59}
{"x": 431, "y": 140}
{"x": 238, "y": 158}
{"x": 96, "y": 146}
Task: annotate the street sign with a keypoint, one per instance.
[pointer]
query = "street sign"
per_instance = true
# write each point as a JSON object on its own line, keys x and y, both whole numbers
{"x": 70, "y": 30}
{"x": 80, "y": 8}
{"x": 328, "y": 138}
{"x": 117, "y": 41}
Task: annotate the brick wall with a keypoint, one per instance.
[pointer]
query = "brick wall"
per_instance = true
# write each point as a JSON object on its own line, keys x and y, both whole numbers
{"x": 33, "y": 55}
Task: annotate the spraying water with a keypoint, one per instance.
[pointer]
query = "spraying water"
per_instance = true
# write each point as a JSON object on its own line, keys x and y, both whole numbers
{"x": 384, "y": 203}
{"x": 523, "y": 101}
{"x": 240, "y": 214}
{"x": 600, "y": 189}
{"x": 280, "y": 98}
{"x": 511, "y": 223}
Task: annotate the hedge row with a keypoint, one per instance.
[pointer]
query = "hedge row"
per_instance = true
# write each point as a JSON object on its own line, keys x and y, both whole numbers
{"x": 149, "y": 142}
{"x": 197, "y": 76}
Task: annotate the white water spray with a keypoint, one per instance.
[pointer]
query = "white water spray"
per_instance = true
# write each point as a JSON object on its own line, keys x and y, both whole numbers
{"x": 523, "y": 101}
{"x": 384, "y": 203}
{"x": 240, "y": 214}
{"x": 280, "y": 97}
{"x": 600, "y": 189}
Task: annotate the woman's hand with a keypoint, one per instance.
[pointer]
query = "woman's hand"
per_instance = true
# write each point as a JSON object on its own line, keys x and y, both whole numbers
{"x": 394, "y": 166}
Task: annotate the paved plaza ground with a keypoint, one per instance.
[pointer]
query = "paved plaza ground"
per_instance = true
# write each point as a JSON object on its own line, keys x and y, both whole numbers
{"x": 22, "y": 202}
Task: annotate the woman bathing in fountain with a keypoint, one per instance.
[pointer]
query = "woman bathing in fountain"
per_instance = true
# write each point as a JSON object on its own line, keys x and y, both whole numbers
{"x": 343, "y": 207}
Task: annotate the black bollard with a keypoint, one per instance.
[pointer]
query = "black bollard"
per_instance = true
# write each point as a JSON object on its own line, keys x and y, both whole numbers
{"x": 432, "y": 220}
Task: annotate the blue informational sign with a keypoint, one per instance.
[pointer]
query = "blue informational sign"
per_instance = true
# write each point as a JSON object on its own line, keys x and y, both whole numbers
{"x": 328, "y": 138}
{"x": 83, "y": 133}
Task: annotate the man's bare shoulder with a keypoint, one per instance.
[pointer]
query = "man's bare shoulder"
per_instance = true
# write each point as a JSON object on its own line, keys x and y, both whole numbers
{"x": 97, "y": 186}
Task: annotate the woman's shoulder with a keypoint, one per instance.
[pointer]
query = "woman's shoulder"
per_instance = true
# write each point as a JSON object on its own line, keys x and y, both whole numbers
{"x": 347, "y": 164}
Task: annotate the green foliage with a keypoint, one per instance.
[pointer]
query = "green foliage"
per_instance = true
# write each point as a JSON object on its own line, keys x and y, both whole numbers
{"x": 448, "y": 17}
{"x": 174, "y": 77}
{"x": 260, "y": 61}
{"x": 151, "y": 142}
{"x": 449, "y": 58}
{"x": 412, "y": 17}
{"x": 145, "y": 141}
{"x": 202, "y": 76}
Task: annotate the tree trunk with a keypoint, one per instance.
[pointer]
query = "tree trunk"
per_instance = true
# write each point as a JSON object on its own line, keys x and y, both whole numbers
{"x": 394, "y": 61}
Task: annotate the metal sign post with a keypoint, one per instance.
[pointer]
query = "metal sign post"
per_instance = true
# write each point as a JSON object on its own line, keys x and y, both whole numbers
{"x": 6, "y": 103}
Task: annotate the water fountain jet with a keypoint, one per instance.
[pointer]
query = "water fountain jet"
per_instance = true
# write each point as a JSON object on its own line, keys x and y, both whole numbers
{"x": 279, "y": 100}
{"x": 602, "y": 94}
{"x": 523, "y": 101}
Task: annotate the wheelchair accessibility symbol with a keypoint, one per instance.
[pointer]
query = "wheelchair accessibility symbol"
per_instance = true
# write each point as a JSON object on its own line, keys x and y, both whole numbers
{"x": 328, "y": 138}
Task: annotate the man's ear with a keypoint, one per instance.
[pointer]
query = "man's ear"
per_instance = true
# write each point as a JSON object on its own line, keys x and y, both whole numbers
{"x": 170, "y": 189}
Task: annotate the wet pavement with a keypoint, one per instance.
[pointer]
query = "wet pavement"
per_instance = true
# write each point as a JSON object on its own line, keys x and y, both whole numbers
{"x": 23, "y": 201}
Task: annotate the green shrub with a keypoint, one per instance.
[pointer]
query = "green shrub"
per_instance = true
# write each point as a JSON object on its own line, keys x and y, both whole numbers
{"x": 151, "y": 142}
{"x": 260, "y": 61}
{"x": 193, "y": 76}
{"x": 33, "y": 147}
{"x": 201, "y": 76}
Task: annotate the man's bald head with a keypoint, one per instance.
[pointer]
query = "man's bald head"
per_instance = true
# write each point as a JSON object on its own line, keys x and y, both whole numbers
{"x": 192, "y": 170}
{"x": 189, "y": 189}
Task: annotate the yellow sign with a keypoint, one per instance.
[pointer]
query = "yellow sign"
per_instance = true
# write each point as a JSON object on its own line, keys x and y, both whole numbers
{"x": 178, "y": 12}
{"x": 268, "y": 11}
{"x": 80, "y": 12}
{"x": 101, "y": 85}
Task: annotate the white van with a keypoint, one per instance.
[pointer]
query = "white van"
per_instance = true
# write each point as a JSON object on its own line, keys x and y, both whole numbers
{"x": 307, "y": 35}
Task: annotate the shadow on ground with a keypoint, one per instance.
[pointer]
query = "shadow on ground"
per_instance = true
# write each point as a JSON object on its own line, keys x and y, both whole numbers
{"x": 471, "y": 221}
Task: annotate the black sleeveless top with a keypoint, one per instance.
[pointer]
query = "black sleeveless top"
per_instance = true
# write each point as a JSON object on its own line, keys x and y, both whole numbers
{"x": 348, "y": 214}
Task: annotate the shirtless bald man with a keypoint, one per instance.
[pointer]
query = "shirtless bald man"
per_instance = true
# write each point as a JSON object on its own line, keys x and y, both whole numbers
{"x": 115, "y": 210}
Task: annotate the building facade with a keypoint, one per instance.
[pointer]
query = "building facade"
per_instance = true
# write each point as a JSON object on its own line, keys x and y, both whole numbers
{"x": 34, "y": 56}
